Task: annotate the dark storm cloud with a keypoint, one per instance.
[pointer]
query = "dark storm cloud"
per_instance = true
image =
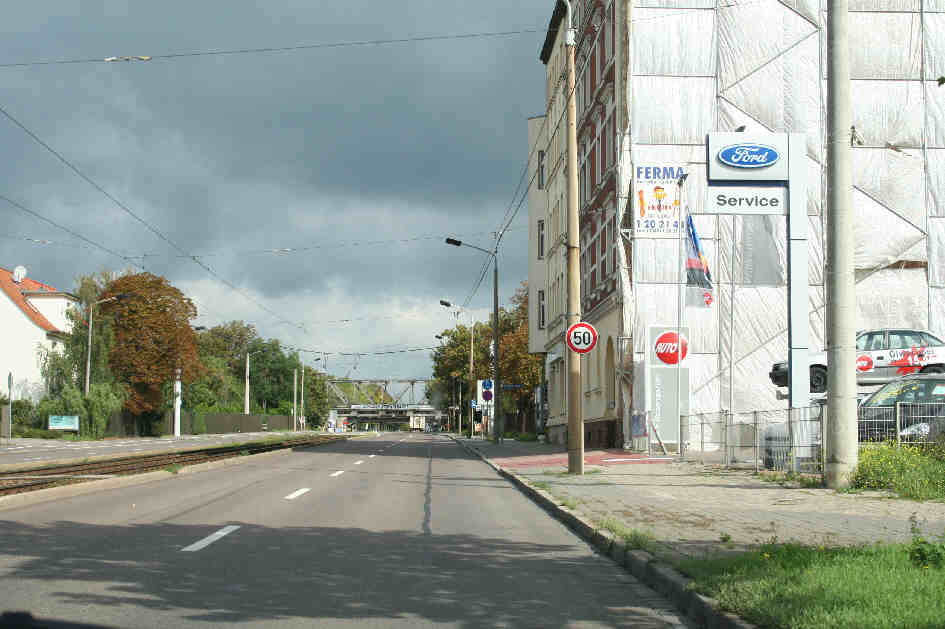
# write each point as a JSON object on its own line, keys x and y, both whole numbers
{"x": 226, "y": 154}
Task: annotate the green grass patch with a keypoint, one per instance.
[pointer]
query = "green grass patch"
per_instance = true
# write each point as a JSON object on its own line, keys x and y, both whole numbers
{"x": 633, "y": 539}
{"x": 807, "y": 481}
{"x": 570, "y": 503}
{"x": 804, "y": 587}
{"x": 174, "y": 468}
{"x": 540, "y": 484}
{"x": 909, "y": 471}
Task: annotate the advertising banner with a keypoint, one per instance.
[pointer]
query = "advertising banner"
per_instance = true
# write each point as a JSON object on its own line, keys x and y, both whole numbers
{"x": 698, "y": 276}
{"x": 64, "y": 422}
{"x": 667, "y": 379}
{"x": 656, "y": 200}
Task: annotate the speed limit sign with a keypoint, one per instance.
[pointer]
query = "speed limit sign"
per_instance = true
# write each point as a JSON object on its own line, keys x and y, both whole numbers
{"x": 581, "y": 337}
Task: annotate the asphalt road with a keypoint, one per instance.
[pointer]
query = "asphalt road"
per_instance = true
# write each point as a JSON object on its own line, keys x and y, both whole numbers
{"x": 388, "y": 531}
{"x": 22, "y": 450}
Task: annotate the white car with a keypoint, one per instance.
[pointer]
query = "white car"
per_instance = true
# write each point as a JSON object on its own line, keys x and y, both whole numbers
{"x": 881, "y": 356}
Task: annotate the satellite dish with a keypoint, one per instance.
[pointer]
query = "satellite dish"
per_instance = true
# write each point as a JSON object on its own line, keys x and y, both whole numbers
{"x": 19, "y": 273}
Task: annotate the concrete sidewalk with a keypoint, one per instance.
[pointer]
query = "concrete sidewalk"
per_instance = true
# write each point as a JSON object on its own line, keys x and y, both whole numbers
{"x": 693, "y": 510}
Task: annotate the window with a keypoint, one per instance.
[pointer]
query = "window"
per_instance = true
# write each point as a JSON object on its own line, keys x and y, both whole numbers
{"x": 905, "y": 339}
{"x": 932, "y": 340}
{"x": 541, "y": 239}
{"x": 871, "y": 341}
{"x": 541, "y": 310}
{"x": 541, "y": 170}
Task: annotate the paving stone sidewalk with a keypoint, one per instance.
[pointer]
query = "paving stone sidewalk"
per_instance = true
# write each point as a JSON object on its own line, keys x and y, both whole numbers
{"x": 693, "y": 510}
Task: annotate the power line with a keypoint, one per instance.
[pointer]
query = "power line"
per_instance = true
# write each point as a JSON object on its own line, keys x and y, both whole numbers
{"x": 269, "y": 50}
{"x": 359, "y": 354}
{"x": 131, "y": 213}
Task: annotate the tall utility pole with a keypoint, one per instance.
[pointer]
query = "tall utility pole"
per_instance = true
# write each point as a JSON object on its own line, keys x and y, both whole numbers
{"x": 498, "y": 424}
{"x": 575, "y": 421}
{"x": 295, "y": 397}
{"x": 302, "y": 400}
{"x": 841, "y": 433}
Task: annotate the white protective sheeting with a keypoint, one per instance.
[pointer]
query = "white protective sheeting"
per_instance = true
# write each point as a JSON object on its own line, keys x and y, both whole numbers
{"x": 768, "y": 61}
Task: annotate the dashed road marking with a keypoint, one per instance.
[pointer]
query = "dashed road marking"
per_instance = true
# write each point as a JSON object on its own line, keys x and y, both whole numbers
{"x": 298, "y": 492}
{"x": 209, "y": 539}
{"x": 358, "y": 462}
{"x": 338, "y": 473}
{"x": 372, "y": 456}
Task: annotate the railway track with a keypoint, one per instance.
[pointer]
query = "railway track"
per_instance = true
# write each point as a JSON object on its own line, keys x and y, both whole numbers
{"x": 42, "y": 477}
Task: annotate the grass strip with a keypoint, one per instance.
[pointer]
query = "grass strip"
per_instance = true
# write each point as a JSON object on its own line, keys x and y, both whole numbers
{"x": 790, "y": 586}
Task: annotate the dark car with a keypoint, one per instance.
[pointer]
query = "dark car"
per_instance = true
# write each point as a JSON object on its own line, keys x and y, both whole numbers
{"x": 919, "y": 403}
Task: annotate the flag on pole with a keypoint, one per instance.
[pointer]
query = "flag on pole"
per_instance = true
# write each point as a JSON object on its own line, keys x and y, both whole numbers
{"x": 698, "y": 277}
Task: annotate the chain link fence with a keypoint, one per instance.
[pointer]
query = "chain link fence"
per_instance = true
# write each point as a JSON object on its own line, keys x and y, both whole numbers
{"x": 792, "y": 440}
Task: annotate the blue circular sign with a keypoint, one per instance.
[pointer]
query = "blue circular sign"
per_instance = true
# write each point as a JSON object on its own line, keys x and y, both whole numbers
{"x": 486, "y": 385}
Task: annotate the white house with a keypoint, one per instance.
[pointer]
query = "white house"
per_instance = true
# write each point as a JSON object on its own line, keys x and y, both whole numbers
{"x": 33, "y": 318}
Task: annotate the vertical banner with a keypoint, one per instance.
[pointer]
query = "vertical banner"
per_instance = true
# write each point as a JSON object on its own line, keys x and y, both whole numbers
{"x": 760, "y": 263}
{"x": 656, "y": 200}
{"x": 667, "y": 380}
{"x": 698, "y": 278}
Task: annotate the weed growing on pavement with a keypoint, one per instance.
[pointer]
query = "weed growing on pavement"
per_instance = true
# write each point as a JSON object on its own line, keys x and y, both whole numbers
{"x": 570, "y": 503}
{"x": 244, "y": 452}
{"x": 909, "y": 471}
{"x": 174, "y": 468}
{"x": 725, "y": 538}
{"x": 807, "y": 481}
{"x": 633, "y": 539}
{"x": 807, "y": 587}
{"x": 542, "y": 485}
{"x": 923, "y": 553}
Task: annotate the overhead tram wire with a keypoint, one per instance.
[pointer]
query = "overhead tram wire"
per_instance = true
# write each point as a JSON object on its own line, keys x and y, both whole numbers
{"x": 131, "y": 213}
{"x": 270, "y": 50}
{"x": 507, "y": 219}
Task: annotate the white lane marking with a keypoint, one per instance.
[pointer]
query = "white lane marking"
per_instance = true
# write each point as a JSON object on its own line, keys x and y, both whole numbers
{"x": 359, "y": 462}
{"x": 338, "y": 473}
{"x": 652, "y": 458}
{"x": 372, "y": 456}
{"x": 209, "y": 539}
{"x": 295, "y": 494}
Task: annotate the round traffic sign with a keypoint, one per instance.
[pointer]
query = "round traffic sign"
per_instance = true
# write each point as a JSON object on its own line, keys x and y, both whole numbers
{"x": 668, "y": 348}
{"x": 486, "y": 385}
{"x": 581, "y": 337}
{"x": 487, "y": 395}
{"x": 864, "y": 363}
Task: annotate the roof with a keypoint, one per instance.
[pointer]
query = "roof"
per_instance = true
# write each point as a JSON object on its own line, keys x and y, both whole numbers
{"x": 15, "y": 292}
{"x": 556, "y": 17}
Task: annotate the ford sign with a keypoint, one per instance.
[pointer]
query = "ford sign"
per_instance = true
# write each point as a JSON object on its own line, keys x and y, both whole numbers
{"x": 748, "y": 155}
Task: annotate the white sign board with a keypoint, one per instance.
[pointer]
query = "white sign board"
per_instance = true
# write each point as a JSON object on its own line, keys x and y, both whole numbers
{"x": 746, "y": 200}
{"x": 656, "y": 200}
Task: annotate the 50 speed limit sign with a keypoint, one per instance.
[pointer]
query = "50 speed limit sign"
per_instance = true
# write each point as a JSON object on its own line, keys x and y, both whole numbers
{"x": 581, "y": 337}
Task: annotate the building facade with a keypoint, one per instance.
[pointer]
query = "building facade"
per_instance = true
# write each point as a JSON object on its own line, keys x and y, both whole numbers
{"x": 653, "y": 78}
{"x": 33, "y": 317}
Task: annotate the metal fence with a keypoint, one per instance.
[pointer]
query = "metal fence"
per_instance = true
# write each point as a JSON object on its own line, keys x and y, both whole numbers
{"x": 783, "y": 439}
{"x": 793, "y": 439}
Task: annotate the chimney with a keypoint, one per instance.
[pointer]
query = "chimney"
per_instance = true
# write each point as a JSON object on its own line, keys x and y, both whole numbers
{"x": 19, "y": 273}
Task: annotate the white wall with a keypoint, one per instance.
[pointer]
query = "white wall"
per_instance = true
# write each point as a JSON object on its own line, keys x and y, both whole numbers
{"x": 20, "y": 341}
{"x": 54, "y": 309}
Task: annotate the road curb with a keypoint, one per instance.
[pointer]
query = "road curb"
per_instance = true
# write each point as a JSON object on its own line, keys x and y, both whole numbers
{"x": 702, "y": 610}
{"x": 118, "y": 482}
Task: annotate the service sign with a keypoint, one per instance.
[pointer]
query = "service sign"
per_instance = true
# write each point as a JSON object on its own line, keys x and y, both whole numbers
{"x": 656, "y": 200}
{"x": 748, "y": 156}
{"x": 722, "y": 199}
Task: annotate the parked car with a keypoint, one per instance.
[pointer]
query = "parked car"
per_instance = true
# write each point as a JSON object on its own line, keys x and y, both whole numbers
{"x": 881, "y": 356}
{"x": 919, "y": 400}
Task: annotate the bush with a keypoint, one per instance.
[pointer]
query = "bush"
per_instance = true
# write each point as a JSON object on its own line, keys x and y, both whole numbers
{"x": 200, "y": 424}
{"x": 103, "y": 401}
{"x": 907, "y": 470}
{"x": 68, "y": 402}
{"x": 20, "y": 430}
{"x": 527, "y": 436}
{"x": 23, "y": 412}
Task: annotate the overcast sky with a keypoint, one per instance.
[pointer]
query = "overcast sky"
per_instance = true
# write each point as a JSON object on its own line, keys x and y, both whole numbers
{"x": 234, "y": 153}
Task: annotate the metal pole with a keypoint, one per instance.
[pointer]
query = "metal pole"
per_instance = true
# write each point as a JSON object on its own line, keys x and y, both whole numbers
{"x": 177, "y": 403}
{"x": 898, "y": 423}
{"x": 575, "y": 421}
{"x": 731, "y": 327}
{"x": 88, "y": 353}
{"x": 302, "y": 400}
{"x": 295, "y": 397}
{"x": 841, "y": 288}
{"x": 755, "y": 440}
{"x": 246, "y": 388}
{"x": 681, "y": 265}
{"x": 498, "y": 425}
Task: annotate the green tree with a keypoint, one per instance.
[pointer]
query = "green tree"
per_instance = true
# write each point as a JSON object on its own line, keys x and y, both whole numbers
{"x": 317, "y": 402}
{"x": 68, "y": 402}
{"x": 103, "y": 401}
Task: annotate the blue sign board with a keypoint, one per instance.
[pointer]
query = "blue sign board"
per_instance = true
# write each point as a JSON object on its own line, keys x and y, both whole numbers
{"x": 749, "y": 155}
{"x": 64, "y": 422}
{"x": 472, "y": 403}
{"x": 486, "y": 385}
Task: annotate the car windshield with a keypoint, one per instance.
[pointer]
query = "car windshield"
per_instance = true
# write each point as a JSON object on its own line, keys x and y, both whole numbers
{"x": 905, "y": 391}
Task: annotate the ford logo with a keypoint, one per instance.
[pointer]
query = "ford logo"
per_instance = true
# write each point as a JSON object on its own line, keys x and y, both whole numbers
{"x": 748, "y": 155}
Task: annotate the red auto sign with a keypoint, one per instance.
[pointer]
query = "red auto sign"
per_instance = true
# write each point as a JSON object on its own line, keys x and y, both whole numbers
{"x": 668, "y": 350}
{"x": 864, "y": 363}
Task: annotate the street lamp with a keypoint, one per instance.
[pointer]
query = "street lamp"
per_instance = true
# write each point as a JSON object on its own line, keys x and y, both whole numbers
{"x": 246, "y": 385}
{"x": 498, "y": 428}
{"x": 88, "y": 352}
{"x": 472, "y": 334}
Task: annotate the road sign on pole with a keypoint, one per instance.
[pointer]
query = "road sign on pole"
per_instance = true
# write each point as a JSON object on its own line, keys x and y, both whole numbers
{"x": 581, "y": 337}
